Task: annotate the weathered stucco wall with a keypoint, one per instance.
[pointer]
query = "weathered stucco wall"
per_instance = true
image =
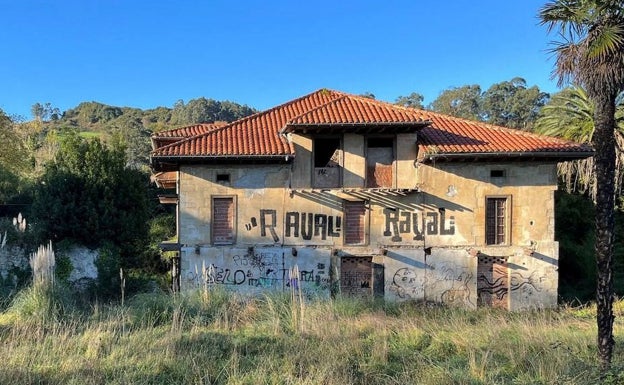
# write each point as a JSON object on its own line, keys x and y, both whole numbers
{"x": 428, "y": 243}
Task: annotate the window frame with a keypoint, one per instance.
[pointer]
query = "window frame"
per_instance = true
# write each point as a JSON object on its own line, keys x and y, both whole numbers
{"x": 234, "y": 221}
{"x": 506, "y": 221}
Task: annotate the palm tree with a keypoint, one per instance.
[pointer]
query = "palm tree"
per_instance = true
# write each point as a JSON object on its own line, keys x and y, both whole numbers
{"x": 569, "y": 114}
{"x": 592, "y": 54}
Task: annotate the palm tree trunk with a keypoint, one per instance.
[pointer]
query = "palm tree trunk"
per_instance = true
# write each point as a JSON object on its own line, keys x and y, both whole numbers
{"x": 604, "y": 166}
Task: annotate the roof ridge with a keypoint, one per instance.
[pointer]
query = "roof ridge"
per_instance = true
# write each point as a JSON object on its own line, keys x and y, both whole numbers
{"x": 341, "y": 97}
{"x": 363, "y": 99}
{"x": 385, "y": 103}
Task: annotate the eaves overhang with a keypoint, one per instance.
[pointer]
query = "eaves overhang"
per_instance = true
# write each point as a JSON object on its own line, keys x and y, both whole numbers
{"x": 172, "y": 162}
{"x": 355, "y": 128}
{"x": 557, "y": 156}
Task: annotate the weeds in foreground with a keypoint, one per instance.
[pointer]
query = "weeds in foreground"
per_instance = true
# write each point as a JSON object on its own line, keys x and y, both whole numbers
{"x": 216, "y": 337}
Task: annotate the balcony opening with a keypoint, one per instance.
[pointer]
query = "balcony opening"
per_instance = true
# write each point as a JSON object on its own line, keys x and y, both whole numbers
{"x": 327, "y": 162}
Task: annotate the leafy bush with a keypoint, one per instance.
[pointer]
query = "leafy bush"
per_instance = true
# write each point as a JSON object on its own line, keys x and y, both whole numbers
{"x": 89, "y": 196}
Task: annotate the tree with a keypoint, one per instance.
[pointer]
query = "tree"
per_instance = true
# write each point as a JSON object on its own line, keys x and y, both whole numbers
{"x": 413, "y": 100}
{"x": 570, "y": 115}
{"x": 592, "y": 54}
{"x": 462, "y": 102}
{"x": 45, "y": 112}
{"x": 12, "y": 155}
{"x": 89, "y": 196}
{"x": 512, "y": 104}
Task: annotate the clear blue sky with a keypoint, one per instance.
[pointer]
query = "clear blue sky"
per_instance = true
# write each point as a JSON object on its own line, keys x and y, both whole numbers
{"x": 261, "y": 53}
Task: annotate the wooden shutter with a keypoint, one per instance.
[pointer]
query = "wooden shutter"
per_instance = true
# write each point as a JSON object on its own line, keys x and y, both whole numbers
{"x": 355, "y": 223}
{"x": 223, "y": 220}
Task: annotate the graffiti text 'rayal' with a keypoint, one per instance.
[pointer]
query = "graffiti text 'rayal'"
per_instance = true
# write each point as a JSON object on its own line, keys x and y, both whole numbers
{"x": 407, "y": 222}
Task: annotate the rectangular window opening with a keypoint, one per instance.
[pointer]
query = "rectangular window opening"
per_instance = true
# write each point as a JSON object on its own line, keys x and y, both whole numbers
{"x": 355, "y": 222}
{"x": 380, "y": 162}
{"x": 223, "y": 214}
{"x": 223, "y": 178}
{"x": 327, "y": 162}
{"x": 496, "y": 216}
{"x": 497, "y": 173}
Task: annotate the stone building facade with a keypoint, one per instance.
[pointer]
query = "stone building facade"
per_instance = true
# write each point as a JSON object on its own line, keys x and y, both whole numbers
{"x": 366, "y": 199}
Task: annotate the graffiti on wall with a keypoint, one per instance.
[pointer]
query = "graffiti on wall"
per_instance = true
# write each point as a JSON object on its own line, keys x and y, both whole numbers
{"x": 447, "y": 284}
{"x": 502, "y": 285}
{"x": 416, "y": 224}
{"x": 398, "y": 223}
{"x": 296, "y": 225}
{"x": 407, "y": 284}
{"x": 263, "y": 270}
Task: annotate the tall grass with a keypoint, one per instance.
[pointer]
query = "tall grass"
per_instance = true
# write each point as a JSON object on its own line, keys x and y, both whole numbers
{"x": 217, "y": 337}
{"x": 43, "y": 302}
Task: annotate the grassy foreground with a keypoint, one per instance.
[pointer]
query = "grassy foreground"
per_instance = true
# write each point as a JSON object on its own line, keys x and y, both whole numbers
{"x": 221, "y": 338}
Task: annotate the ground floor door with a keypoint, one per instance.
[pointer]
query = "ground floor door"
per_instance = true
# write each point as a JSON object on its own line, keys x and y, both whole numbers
{"x": 493, "y": 282}
{"x": 356, "y": 276}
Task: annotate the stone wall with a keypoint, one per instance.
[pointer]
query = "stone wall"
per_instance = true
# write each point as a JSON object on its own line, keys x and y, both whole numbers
{"x": 425, "y": 245}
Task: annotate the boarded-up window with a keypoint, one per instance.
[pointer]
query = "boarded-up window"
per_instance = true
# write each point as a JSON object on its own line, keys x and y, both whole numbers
{"x": 492, "y": 282}
{"x": 356, "y": 276}
{"x": 355, "y": 223}
{"x": 223, "y": 220}
{"x": 327, "y": 162}
{"x": 496, "y": 216}
{"x": 379, "y": 162}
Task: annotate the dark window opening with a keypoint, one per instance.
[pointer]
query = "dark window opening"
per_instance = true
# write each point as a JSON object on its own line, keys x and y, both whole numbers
{"x": 380, "y": 142}
{"x": 223, "y": 178}
{"x": 327, "y": 152}
{"x": 327, "y": 162}
{"x": 497, "y": 173}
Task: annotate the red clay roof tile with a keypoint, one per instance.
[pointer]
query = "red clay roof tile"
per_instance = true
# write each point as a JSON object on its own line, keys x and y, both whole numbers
{"x": 260, "y": 134}
{"x": 187, "y": 131}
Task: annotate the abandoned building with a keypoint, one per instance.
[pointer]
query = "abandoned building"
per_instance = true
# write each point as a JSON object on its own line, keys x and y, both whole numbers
{"x": 365, "y": 198}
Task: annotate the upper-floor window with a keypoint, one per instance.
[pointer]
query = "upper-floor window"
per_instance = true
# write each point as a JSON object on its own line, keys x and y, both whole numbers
{"x": 327, "y": 162}
{"x": 380, "y": 158}
{"x": 354, "y": 222}
{"x": 223, "y": 220}
{"x": 497, "y": 220}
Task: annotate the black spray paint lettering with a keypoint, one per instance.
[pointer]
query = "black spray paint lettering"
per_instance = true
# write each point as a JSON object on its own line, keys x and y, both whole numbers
{"x": 309, "y": 224}
{"x": 406, "y": 222}
{"x": 270, "y": 225}
{"x": 304, "y": 225}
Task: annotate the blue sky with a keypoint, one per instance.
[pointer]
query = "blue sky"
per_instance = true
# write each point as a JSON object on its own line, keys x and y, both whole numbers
{"x": 261, "y": 53}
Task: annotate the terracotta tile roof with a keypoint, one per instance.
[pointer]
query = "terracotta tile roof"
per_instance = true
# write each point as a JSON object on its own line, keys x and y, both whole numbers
{"x": 259, "y": 135}
{"x": 357, "y": 110}
{"x": 166, "y": 137}
{"x": 188, "y": 131}
{"x": 450, "y": 135}
{"x": 255, "y": 135}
